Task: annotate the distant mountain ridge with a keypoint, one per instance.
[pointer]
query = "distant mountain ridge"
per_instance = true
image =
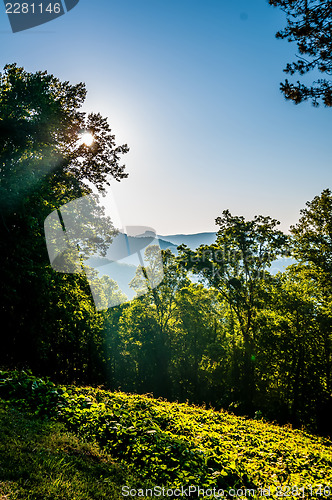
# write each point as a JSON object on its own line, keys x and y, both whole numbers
{"x": 125, "y": 271}
{"x": 191, "y": 240}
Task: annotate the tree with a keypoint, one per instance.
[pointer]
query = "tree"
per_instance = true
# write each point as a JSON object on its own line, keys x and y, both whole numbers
{"x": 312, "y": 241}
{"x": 199, "y": 362}
{"x": 291, "y": 349}
{"x": 312, "y": 235}
{"x": 138, "y": 369}
{"x": 40, "y": 127}
{"x": 162, "y": 301}
{"x": 309, "y": 24}
{"x": 162, "y": 296}
{"x": 236, "y": 266}
{"x": 43, "y": 164}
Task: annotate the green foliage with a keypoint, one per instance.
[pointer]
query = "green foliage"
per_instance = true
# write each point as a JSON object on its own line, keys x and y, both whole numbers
{"x": 235, "y": 264}
{"x": 312, "y": 235}
{"x": 37, "y": 395}
{"x": 291, "y": 357}
{"x": 200, "y": 354}
{"x": 177, "y": 444}
{"x": 150, "y": 324}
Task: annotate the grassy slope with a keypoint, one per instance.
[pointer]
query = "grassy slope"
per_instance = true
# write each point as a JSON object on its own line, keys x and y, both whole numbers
{"x": 181, "y": 444}
{"x": 41, "y": 460}
{"x": 157, "y": 443}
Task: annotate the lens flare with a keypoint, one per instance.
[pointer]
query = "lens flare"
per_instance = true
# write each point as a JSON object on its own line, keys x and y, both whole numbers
{"x": 87, "y": 139}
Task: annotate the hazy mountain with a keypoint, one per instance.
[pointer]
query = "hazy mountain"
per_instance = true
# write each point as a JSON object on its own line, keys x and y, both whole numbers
{"x": 191, "y": 240}
{"x": 167, "y": 244}
{"x": 172, "y": 241}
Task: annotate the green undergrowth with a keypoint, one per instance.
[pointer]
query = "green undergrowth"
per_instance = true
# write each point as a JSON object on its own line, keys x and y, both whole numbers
{"x": 175, "y": 444}
{"x": 42, "y": 460}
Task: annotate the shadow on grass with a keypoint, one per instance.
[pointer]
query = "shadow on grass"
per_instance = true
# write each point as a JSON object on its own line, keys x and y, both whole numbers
{"x": 41, "y": 460}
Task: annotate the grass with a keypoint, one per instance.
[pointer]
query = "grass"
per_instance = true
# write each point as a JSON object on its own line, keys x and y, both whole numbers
{"x": 41, "y": 460}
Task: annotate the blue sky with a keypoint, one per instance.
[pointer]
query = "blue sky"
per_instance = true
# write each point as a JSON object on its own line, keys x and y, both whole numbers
{"x": 193, "y": 87}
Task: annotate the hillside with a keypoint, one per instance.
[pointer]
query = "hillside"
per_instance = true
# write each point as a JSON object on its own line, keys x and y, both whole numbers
{"x": 42, "y": 460}
{"x": 179, "y": 445}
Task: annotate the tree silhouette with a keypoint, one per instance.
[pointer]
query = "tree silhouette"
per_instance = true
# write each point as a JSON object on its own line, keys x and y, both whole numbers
{"x": 44, "y": 165}
{"x": 309, "y": 24}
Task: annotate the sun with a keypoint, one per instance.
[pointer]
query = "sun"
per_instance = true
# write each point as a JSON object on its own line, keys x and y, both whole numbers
{"x": 87, "y": 139}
